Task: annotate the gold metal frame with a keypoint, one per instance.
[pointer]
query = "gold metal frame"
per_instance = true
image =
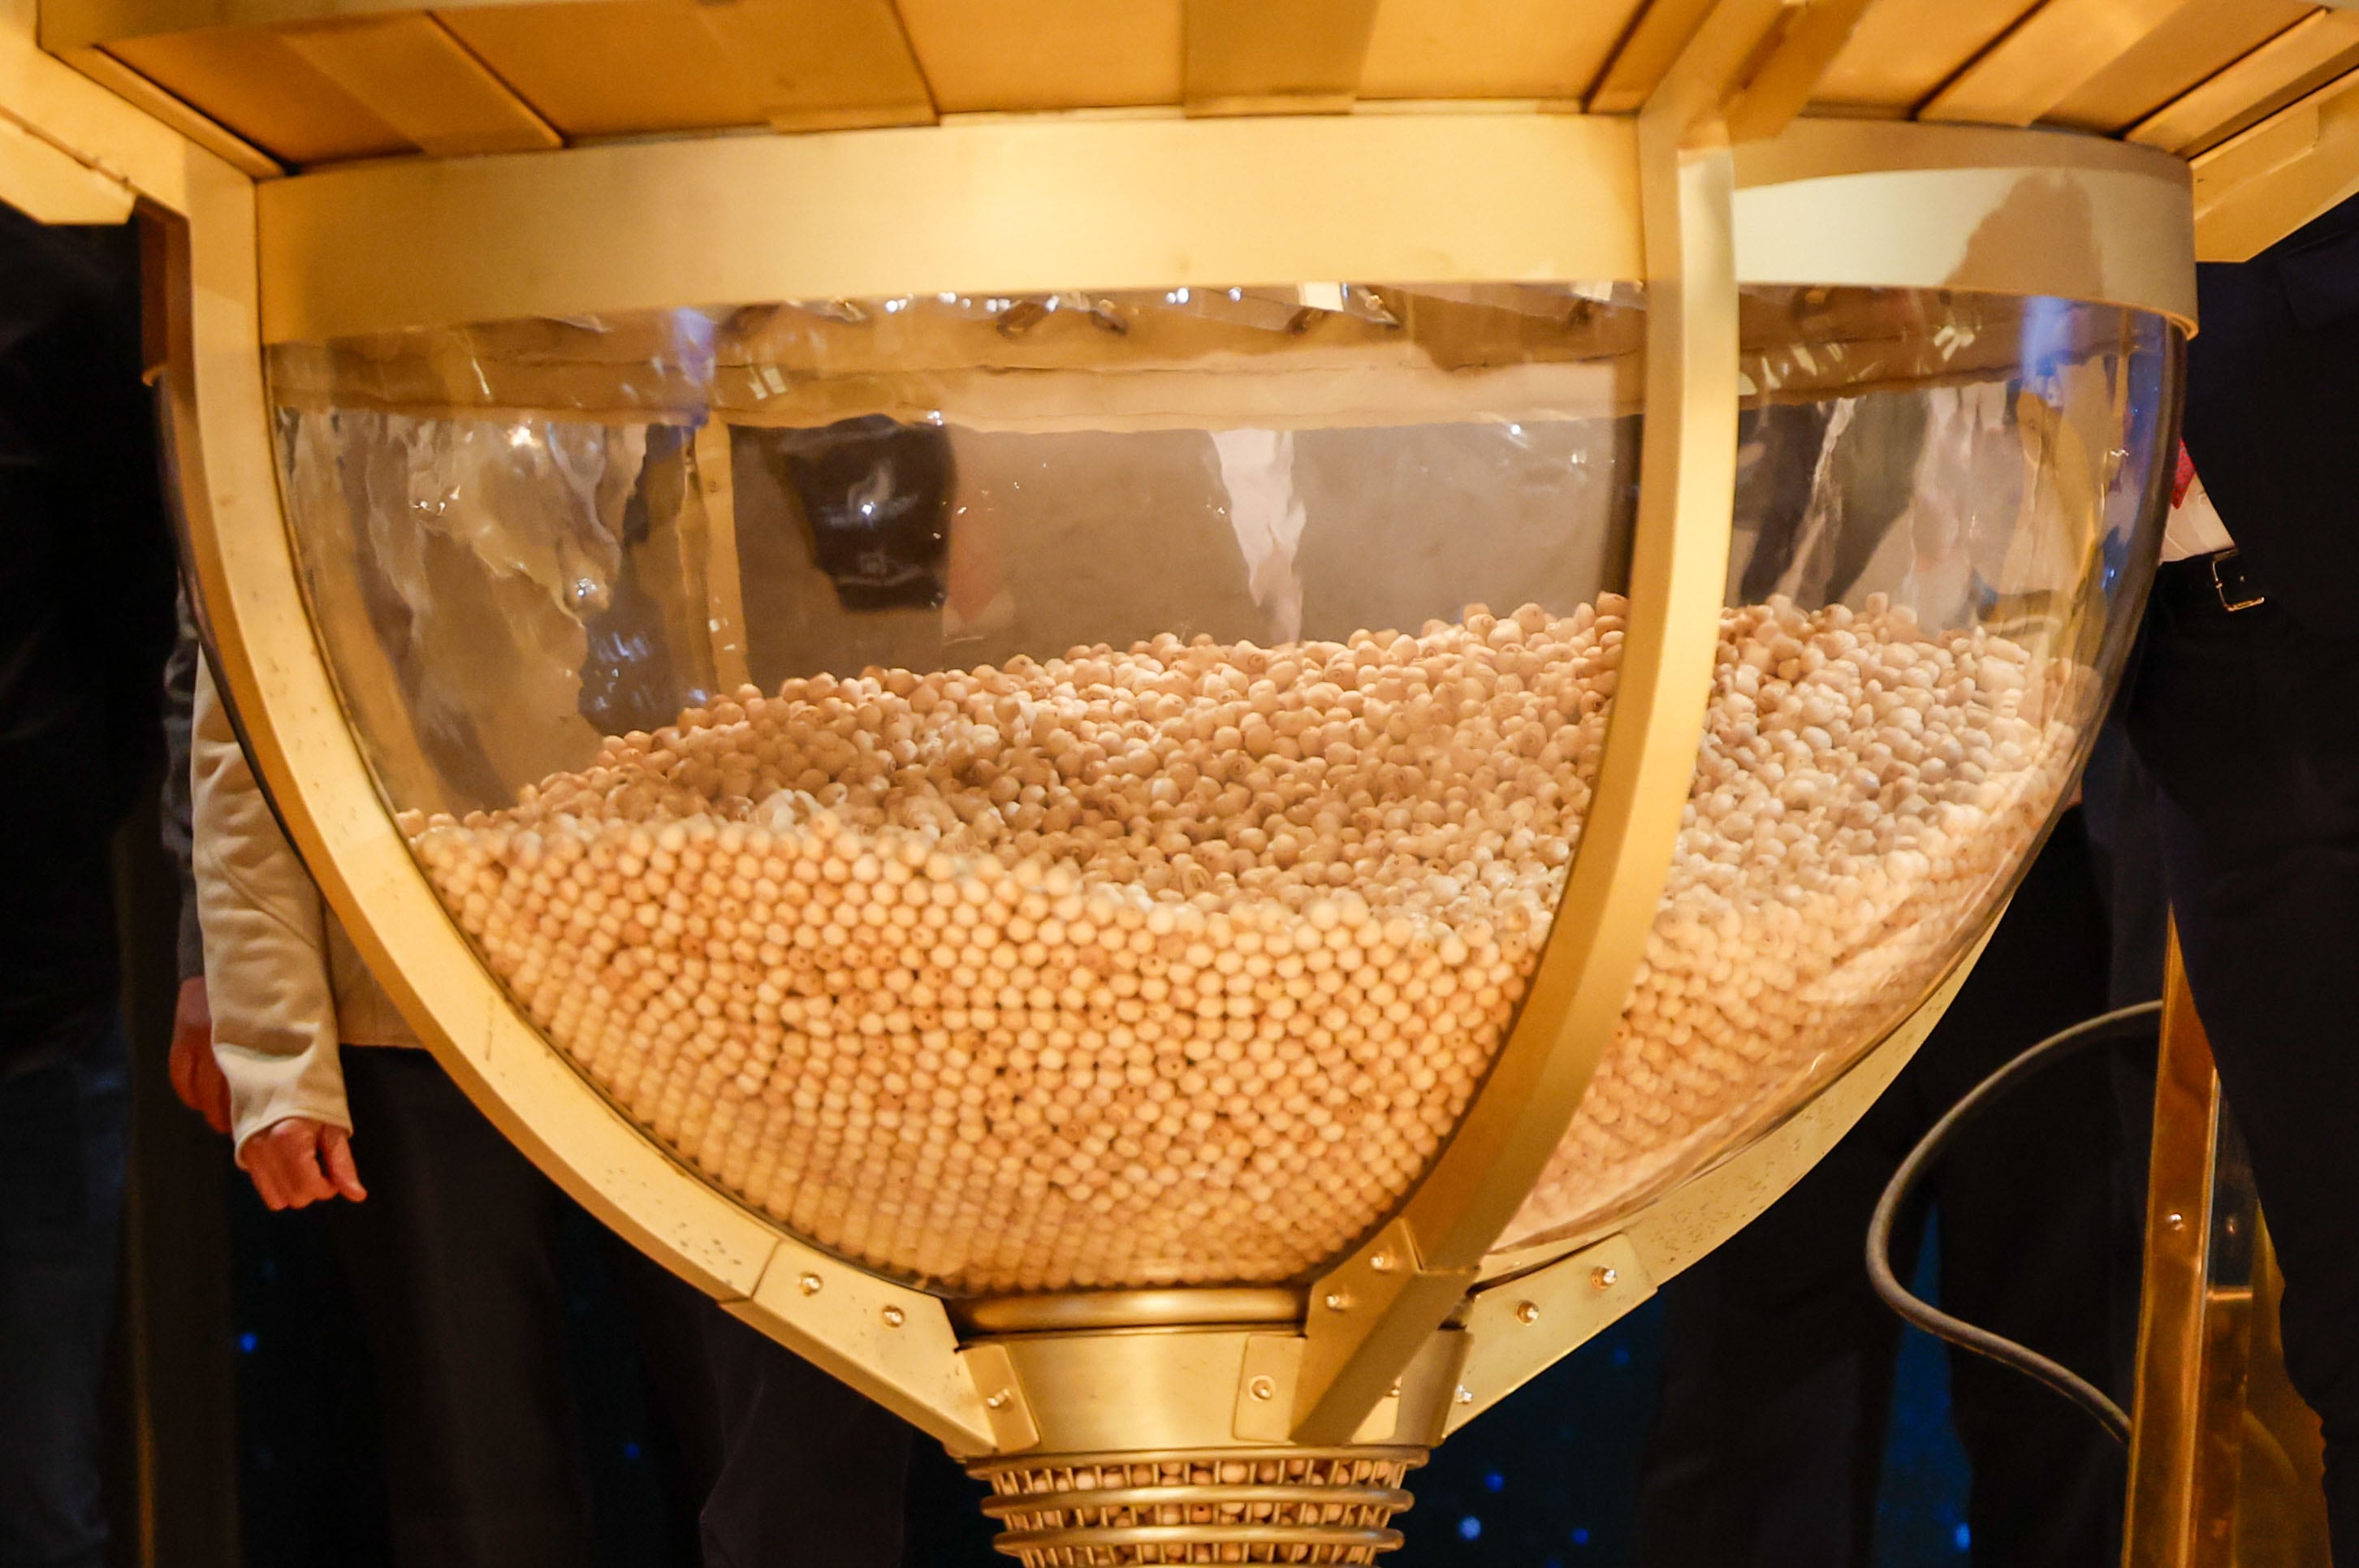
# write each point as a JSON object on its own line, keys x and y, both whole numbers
{"x": 1383, "y": 1302}
{"x": 1030, "y": 205}
{"x": 2225, "y": 1460}
{"x": 1406, "y": 1339}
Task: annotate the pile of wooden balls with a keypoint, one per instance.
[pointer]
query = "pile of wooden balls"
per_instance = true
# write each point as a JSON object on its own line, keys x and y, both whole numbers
{"x": 1176, "y": 963}
{"x": 1864, "y": 796}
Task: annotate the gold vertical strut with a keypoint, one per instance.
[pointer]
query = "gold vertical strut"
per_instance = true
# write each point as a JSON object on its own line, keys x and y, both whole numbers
{"x": 1370, "y": 1315}
{"x": 2224, "y": 1460}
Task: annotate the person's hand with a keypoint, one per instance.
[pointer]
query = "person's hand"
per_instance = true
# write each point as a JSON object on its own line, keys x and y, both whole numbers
{"x": 196, "y": 1076}
{"x": 298, "y": 1161}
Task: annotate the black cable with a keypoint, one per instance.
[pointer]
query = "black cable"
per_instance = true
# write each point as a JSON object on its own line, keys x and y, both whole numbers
{"x": 2101, "y": 1030}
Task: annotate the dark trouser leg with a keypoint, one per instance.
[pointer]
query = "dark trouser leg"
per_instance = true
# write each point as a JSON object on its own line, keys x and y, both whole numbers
{"x": 61, "y": 1149}
{"x": 2025, "y": 1197}
{"x": 669, "y": 1313}
{"x": 2125, "y": 846}
{"x": 451, "y": 1262}
{"x": 1778, "y": 1358}
{"x": 815, "y": 1474}
{"x": 2245, "y": 722}
{"x": 1776, "y": 1373}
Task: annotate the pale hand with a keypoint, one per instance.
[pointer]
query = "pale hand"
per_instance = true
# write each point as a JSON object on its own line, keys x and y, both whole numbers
{"x": 298, "y": 1161}
{"x": 196, "y": 1076}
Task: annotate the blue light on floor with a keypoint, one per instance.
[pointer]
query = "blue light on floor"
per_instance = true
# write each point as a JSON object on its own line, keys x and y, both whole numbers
{"x": 245, "y": 1344}
{"x": 1964, "y": 1537}
{"x": 1494, "y": 1481}
{"x": 630, "y": 1451}
{"x": 1580, "y": 1535}
{"x": 1470, "y": 1528}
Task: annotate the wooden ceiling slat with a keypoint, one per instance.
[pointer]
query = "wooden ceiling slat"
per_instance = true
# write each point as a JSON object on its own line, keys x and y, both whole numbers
{"x": 207, "y": 133}
{"x": 1903, "y": 51}
{"x": 608, "y": 68}
{"x": 1646, "y": 56}
{"x": 419, "y": 80}
{"x": 1249, "y": 57}
{"x": 821, "y": 65}
{"x": 2048, "y": 56}
{"x": 1783, "y": 83}
{"x": 2314, "y": 50}
{"x": 2270, "y": 179}
{"x": 1548, "y": 49}
{"x": 2194, "y": 44}
{"x": 1012, "y": 56}
{"x": 603, "y": 67}
{"x": 252, "y": 81}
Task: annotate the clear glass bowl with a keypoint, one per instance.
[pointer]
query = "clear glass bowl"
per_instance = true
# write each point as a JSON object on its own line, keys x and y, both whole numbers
{"x": 1067, "y": 792}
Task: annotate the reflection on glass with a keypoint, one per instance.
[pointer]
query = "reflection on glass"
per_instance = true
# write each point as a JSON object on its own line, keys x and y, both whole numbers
{"x": 1070, "y": 790}
{"x": 1927, "y": 594}
{"x": 1028, "y": 793}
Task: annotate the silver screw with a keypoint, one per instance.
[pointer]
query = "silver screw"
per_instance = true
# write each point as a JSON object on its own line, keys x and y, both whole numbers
{"x": 1263, "y": 1387}
{"x": 1465, "y": 1395}
{"x": 1528, "y": 1312}
{"x": 1338, "y": 1301}
{"x": 895, "y": 1317}
{"x": 998, "y": 1401}
{"x": 811, "y": 1283}
{"x": 1603, "y": 1277}
{"x": 1382, "y": 1263}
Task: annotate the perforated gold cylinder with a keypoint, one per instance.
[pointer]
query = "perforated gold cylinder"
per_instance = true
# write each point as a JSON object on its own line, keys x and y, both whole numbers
{"x": 1258, "y": 1505}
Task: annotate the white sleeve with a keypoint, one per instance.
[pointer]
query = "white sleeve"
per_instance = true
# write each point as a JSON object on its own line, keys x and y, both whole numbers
{"x": 267, "y": 975}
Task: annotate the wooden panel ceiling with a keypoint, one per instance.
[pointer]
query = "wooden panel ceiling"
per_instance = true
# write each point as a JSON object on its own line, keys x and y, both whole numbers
{"x": 321, "y": 82}
{"x": 1553, "y": 50}
{"x": 1018, "y": 55}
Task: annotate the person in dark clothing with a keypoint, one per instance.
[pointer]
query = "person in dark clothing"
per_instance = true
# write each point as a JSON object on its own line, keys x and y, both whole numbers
{"x": 2241, "y": 708}
{"x": 86, "y": 574}
{"x": 1778, "y": 1358}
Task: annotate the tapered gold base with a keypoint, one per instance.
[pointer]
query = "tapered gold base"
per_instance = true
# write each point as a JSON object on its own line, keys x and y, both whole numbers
{"x": 1258, "y": 1505}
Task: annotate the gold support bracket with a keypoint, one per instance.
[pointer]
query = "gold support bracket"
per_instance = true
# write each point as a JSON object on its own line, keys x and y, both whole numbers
{"x": 1013, "y": 1428}
{"x": 1679, "y": 569}
{"x": 1519, "y": 1328}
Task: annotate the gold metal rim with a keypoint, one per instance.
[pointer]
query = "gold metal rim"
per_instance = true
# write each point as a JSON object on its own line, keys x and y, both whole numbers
{"x": 1182, "y": 1496}
{"x": 1012, "y": 206}
{"x": 1076, "y": 1310}
{"x": 1027, "y": 206}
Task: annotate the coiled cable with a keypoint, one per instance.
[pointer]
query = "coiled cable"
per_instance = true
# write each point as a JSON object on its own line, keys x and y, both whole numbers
{"x": 2104, "y": 1028}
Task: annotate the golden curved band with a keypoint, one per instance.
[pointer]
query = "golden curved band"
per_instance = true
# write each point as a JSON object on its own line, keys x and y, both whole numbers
{"x": 1046, "y": 204}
